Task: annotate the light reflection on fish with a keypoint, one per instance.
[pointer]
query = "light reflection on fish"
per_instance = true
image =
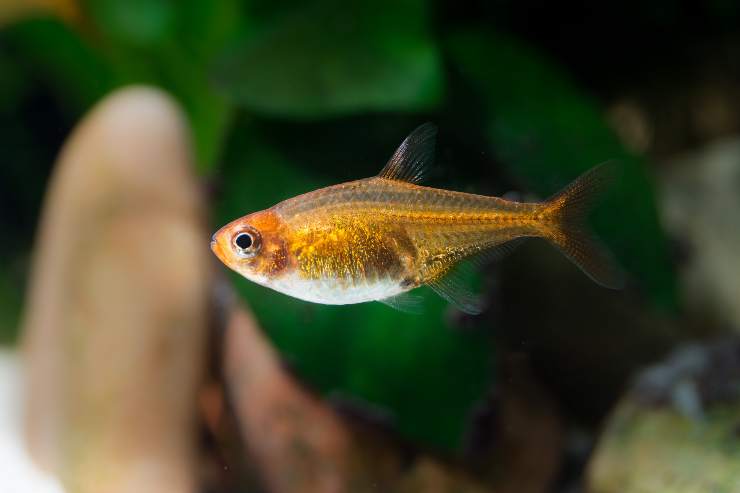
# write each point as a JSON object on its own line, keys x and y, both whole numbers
{"x": 378, "y": 238}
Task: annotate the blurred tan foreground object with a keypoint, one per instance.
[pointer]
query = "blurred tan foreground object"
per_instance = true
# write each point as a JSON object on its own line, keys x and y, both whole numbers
{"x": 116, "y": 312}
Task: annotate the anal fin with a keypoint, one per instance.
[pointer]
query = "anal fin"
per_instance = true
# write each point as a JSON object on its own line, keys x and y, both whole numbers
{"x": 453, "y": 288}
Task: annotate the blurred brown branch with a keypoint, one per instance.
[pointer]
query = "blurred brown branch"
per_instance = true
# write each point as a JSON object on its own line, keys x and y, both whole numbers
{"x": 301, "y": 444}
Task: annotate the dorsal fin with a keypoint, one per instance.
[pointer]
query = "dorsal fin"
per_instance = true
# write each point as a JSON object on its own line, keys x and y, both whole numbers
{"x": 414, "y": 156}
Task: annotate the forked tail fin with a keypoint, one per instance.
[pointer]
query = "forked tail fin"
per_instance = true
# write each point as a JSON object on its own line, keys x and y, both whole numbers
{"x": 568, "y": 210}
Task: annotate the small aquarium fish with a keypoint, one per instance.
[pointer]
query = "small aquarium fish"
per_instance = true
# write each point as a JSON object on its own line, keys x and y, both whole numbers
{"x": 378, "y": 238}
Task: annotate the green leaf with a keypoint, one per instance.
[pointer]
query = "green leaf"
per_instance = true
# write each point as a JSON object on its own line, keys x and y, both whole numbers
{"x": 176, "y": 59}
{"x": 12, "y": 84}
{"x": 135, "y": 22}
{"x": 425, "y": 374}
{"x": 547, "y": 131}
{"x": 73, "y": 67}
{"x": 204, "y": 27}
{"x": 83, "y": 69}
{"x": 10, "y": 305}
{"x": 331, "y": 58}
{"x": 209, "y": 113}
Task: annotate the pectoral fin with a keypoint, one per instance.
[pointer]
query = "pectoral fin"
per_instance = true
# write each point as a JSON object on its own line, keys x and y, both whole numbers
{"x": 405, "y": 302}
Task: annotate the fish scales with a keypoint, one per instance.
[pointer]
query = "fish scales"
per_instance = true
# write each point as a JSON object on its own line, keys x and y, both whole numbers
{"x": 379, "y": 237}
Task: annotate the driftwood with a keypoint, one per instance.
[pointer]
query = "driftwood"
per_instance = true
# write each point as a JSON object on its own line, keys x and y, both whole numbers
{"x": 300, "y": 443}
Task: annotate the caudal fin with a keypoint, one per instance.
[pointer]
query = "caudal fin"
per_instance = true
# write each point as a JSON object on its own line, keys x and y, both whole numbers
{"x": 568, "y": 210}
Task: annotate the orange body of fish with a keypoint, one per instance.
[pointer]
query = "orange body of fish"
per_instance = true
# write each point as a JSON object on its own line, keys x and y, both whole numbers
{"x": 377, "y": 238}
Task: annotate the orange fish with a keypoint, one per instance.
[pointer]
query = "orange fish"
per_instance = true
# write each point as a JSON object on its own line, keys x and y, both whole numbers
{"x": 378, "y": 238}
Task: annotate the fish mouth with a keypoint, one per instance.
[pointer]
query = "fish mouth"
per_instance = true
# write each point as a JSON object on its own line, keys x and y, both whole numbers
{"x": 217, "y": 250}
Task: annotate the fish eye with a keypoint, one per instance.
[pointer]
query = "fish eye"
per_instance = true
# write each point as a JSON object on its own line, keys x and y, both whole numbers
{"x": 247, "y": 242}
{"x": 243, "y": 240}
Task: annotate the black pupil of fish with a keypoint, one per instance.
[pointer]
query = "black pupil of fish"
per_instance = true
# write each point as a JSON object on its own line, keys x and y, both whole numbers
{"x": 243, "y": 241}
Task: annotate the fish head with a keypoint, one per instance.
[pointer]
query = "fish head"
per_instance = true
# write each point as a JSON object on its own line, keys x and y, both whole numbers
{"x": 254, "y": 246}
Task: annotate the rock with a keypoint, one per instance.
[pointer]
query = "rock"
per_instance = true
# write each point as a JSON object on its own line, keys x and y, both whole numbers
{"x": 699, "y": 200}
{"x": 677, "y": 430}
{"x": 116, "y": 311}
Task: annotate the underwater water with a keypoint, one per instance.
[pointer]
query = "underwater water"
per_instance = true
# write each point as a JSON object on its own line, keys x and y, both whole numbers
{"x": 134, "y": 360}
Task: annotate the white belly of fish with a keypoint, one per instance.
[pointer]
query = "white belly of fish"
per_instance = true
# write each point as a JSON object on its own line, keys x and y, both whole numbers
{"x": 334, "y": 292}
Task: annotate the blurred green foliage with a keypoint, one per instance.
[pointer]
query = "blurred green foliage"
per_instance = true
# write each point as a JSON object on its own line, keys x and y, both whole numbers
{"x": 547, "y": 132}
{"x": 161, "y": 44}
{"x": 284, "y": 98}
{"x": 75, "y": 71}
{"x": 400, "y": 362}
{"x": 10, "y": 304}
{"x": 353, "y": 56}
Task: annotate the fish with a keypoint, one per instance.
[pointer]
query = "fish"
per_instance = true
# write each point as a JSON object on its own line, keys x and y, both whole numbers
{"x": 378, "y": 238}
